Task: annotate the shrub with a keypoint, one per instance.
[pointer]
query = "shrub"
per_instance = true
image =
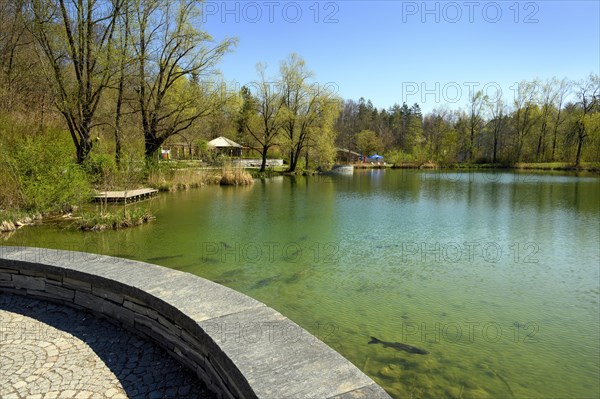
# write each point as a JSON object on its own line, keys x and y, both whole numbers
{"x": 100, "y": 168}
{"x": 49, "y": 178}
{"x": 11, "y": 195}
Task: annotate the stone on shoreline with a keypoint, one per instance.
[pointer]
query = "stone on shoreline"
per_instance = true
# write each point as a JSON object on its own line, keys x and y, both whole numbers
{"x": 7, "y": 226}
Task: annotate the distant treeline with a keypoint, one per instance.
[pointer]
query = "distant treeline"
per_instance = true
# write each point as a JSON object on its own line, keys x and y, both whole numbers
{"x": 537, "y": 125}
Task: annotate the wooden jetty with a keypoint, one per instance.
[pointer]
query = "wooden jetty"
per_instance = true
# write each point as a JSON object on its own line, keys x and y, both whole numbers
{"x": 125, "y": 197}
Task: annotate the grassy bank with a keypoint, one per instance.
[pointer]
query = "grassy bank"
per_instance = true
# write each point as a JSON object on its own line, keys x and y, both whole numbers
{"x": 100, "y": 220}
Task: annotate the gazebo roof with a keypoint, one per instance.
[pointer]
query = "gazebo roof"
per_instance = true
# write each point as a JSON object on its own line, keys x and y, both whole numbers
{"x": 221, "y": 142}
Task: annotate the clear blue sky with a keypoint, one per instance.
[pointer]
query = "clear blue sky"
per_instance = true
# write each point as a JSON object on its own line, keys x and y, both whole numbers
{"x": 413, "y": 51}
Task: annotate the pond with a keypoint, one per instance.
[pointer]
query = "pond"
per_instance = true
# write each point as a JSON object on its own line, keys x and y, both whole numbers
{"x": 495, "y": 274}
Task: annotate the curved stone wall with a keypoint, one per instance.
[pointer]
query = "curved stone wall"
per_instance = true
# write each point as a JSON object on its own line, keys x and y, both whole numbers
{"x": 238, "y": 346}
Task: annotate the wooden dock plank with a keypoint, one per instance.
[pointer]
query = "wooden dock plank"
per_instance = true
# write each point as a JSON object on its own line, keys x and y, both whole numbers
{"x": 125, "y": 196}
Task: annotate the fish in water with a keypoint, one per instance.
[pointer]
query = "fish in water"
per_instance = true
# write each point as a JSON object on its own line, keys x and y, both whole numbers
{"x": 159, "y": 258}
{"x": 264, "y": 281}
{"x": 225, "y": 245}
{"x": 399, "y": 346}
{"x": 210, "y": 261}
{"x": 231, "y": 273}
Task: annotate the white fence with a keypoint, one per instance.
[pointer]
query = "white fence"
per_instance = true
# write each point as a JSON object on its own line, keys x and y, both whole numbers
{"x": 255, "y": 163}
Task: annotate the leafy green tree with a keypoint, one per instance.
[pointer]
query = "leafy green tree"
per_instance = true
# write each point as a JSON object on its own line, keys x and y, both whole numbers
{"x": 436, "y": 128}
{"x": 305, "y": 105}
{"x": 321, "y": 140}
{"x": 368, "y": 142}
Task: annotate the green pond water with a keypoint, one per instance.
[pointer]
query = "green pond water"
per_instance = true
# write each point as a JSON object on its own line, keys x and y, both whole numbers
{"x": 495, "y": 274}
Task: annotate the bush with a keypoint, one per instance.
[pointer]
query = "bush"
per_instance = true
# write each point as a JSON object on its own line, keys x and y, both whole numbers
{"x": 100, "y": 168}
{"x": 49, "y": 178}
{"x": 398, "y": 157}
{"x": 11, "y": 196}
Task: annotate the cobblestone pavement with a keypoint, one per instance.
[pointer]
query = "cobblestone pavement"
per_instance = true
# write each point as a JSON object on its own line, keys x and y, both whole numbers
{"x": 53, "y": 351}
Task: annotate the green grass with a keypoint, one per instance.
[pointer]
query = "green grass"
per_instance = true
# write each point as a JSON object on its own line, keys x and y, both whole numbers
{"x": 105, "y": 220}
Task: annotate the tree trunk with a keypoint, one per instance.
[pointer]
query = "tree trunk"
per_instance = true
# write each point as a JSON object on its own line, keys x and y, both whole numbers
{"x": 471, "y": 143}
{"x": 118, "y": 147}
{"x": 295, "y": 156}
{"x": 84, "y": 148}
{"x": 293, "y": 164}
{"x": 578, "y": 157}
{"x": 580, "y": 137}
{"x": 263, "y": 164}
{"x": 152, "y": 145}
{"x": 495, "y": 147}
{"x": 306, "y": 167}
{"x": 555, "y": 134}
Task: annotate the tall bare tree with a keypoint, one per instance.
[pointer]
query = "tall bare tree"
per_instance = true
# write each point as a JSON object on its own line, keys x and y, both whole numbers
{"x": 524, "y": 103}
{"x": 172, "y": 57}
{"x": 476, "y": 103}
{"x": 124, "y": 61}
{"x": 261, "y": 114}
{"x": 589, "y": 102}
{"x": 13, "y": 36}
{"x": 497, "y": 123}
{"x": 564, "y": 86}
{"x": 77, "y": 39}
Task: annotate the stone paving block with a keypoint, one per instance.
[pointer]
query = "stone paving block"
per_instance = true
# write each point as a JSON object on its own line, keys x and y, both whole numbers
{"x": 28, "y": 282}
{"x": 106, "y": 294}
{"x": 193, "y": 355}
{"x": 4, "y": 276}
{"x": 43, "y": 274}
{"x": 8, "y": 270}
{"x": 118, "y": 312}
{"x": 175, "y": 329}
{"x": 77, "y": 285}
{"x": 7, "y": 283}
{"x": 143, "y": 310}
{"x": 193, "y": 341}
{"x": 89, "y": 301}
{"x": 60, "y": 292}
{"x": 14, "y": 291}
{"x": 46, "y": 295}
